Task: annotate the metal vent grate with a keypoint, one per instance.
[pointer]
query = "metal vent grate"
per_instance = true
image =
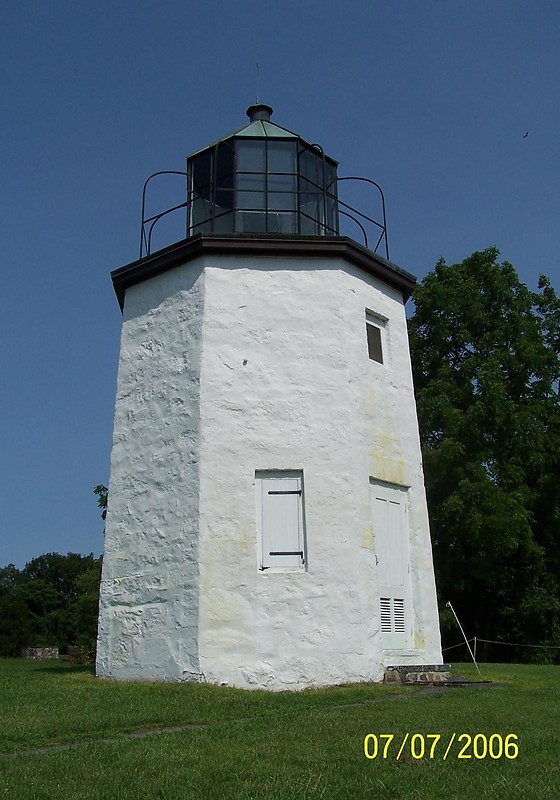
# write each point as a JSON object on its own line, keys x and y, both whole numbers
{"x": 398, "y": 615}
{"x": 392, "y": 615}
{"x": 385, "y": 604}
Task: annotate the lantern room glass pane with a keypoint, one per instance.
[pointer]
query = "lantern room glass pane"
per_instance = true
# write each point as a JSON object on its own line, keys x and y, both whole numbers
{"x": 254, "y": 182}
{"x": 251, "y": 156}
{"x": 308, "y": 226}
{"x": 250, "y": 222}
{"x": 281, "y": 157}
{"x": 309, "y": 166}
{"x": 309, "y": 195}
{"x": 202, "y": 170}
{"x": 281, "y": 222}
{"x": 251, "y": 200}
{"x": 308, "y": 192}
{"x": 332, "y": 217}
{"x": 330, "y": 179}
{"x": 223, "y": 157}
{"x": 250, "y": 191}
{"x": 200, "y": 213}
{"x": 332, "y": 199}
{"x": 282, "y": 191}
{"x": 224, "y": 192}
{"x": 224, "y": 161}
{"x": 224, "y": 222}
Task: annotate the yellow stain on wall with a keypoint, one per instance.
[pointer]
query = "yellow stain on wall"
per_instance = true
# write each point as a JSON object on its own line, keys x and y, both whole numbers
{"x": 225, "y": 614}
{"x": 223, "y": 547}
{"x": 385, "y": 464}
{"x": 367, "y": 537}
{"x": 219, "y": 606}
{"x": 386, "y": 457}
{"x": 244, "y": 538}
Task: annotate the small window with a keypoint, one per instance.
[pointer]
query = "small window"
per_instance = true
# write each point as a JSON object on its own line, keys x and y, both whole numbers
{"x": 375, "y": 331}
{"x": 280, "y": 520}
{"x": 375, "y": 349}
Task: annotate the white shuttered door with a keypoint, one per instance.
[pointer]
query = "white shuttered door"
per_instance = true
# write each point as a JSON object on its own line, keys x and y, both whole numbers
{"x": 282, "y": 544}
{"x": 390, "y": 528}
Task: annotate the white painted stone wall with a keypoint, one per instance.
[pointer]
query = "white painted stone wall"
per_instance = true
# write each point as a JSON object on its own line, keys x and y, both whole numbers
{"x": 231, "y": 365}
{"x": 148, "y": 622}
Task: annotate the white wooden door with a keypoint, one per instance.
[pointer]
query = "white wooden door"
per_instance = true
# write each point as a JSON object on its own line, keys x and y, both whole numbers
{"x": 390, "y": 530}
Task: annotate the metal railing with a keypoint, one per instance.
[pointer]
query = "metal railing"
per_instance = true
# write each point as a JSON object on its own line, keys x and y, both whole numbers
{"x": 363, "y": 221}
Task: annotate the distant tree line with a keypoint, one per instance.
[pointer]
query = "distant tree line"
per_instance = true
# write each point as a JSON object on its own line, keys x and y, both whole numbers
{"x": 52, "y": 602}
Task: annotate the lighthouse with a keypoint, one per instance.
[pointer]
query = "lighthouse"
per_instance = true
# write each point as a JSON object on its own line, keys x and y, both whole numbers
{"x": 267, "y": 523}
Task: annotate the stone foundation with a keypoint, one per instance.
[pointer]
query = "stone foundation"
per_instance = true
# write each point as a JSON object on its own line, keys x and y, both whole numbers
{"x": 418, "y": 673}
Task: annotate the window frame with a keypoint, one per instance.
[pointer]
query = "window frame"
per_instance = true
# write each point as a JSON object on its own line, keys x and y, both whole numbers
{"x": 377, "y": 322}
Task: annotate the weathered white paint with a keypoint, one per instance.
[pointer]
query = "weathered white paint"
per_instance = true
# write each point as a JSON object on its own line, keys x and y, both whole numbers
{"x": 232, "y": 365}
{"x": 148, "y": 622}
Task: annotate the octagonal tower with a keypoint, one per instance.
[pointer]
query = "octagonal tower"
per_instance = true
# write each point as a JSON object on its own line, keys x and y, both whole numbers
{"x": 267, "y": 522}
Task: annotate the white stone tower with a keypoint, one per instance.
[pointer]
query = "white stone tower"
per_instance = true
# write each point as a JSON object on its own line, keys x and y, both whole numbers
{"x": 267, "y": 522}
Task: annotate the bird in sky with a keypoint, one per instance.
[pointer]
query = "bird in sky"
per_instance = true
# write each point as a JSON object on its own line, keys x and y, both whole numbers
{"x": 525, "y": 135}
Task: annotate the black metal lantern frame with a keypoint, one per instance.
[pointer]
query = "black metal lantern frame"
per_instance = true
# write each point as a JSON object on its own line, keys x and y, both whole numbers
{"x": 262, "y": 185}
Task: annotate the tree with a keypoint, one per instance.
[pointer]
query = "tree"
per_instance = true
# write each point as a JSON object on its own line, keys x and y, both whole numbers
{"x": 52, "y": 601}
{"x": 15, "y": 627}
{"x": 58, "y": 571}
{"x": 102, "y": 498}
{"x": 8, "y": 579}
{"x": 486, "y": 368}
{"x": 86, "y": 611}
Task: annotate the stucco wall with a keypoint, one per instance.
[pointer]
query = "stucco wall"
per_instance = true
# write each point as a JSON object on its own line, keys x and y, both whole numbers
{"x": 286, "y": 383}
{"x": 148, "y": 624}
{"x": 231, "y": 365}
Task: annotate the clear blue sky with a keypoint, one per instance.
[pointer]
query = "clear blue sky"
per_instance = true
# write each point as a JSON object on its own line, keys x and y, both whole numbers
{"x": 430, "y": 99}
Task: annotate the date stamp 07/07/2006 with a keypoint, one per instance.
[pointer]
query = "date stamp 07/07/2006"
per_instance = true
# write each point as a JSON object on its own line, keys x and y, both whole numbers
{"x": 433, "y": 745}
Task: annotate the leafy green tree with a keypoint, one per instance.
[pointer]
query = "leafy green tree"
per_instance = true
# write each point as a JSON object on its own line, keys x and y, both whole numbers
{"x": 486, "y": 368}
{"x": 102, "y": 498}
{"x": 58, "y": 571}
{"x": 87, "y": 607}
{"x": 9, "y": 577}
{"x": 52, "y": 601}
{"x": 15, "y": 627}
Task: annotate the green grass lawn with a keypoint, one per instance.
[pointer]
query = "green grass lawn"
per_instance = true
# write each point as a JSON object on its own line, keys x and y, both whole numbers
{"x": 251, "y": 745}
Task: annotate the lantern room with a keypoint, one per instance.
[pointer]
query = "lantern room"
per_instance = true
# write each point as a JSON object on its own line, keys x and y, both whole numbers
{"x": 262, "y": 179}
